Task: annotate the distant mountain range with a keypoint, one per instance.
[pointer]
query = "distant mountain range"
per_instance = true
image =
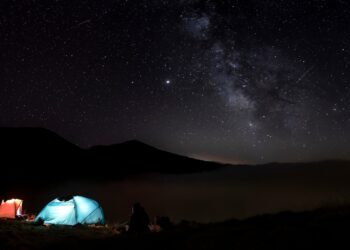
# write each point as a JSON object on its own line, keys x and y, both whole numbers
{"x": 37, "y": 154}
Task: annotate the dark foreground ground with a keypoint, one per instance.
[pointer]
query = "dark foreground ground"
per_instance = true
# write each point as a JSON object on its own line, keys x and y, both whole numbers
{"x": 326, "y": 228}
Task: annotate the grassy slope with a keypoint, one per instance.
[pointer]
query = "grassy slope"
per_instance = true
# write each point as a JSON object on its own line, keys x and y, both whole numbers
{"x": 326, "y": 228}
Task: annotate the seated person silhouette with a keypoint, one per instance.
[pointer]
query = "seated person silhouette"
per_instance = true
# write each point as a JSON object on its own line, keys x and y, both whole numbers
{"x": 139, "y": 220}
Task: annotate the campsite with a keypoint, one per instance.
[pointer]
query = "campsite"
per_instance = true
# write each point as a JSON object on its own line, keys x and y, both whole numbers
{"x": 325, "y": 228}
{"x": 93, "y": 209}
{"x": 74, "y": 221}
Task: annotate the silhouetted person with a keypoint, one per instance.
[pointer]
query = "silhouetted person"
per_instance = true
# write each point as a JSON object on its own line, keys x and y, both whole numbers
{"x": 139, "y": 220}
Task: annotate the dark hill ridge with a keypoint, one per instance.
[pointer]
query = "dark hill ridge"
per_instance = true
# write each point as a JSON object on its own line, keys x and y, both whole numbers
{"x": 30, "y": 154}
{"x": 25, "y": 151}
{"x": 32, "y": 140}
{"x": 38, "y": 156}
{"x": 138, "y": 157}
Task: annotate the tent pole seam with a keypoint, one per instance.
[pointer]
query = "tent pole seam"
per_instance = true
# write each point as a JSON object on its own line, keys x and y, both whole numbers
{"x": 91, "y": 213}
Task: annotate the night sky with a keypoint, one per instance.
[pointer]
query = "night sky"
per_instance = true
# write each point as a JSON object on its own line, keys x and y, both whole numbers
{"x": 236, "y": 81}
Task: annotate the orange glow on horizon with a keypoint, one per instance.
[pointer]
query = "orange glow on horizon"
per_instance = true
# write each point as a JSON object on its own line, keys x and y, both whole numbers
{"x": 217, "y": 158}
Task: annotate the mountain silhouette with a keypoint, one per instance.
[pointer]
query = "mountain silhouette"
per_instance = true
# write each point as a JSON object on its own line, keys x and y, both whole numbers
{"x": 39, "y": 155}
{"x": 137, "y": 157}
{"x": 41, "y": 158}
{"x": 33, "y": 142}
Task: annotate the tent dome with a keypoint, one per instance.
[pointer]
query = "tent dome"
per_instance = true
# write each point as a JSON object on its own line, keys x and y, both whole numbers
{"x": 71, "y": 211}
{"x": 11, "y": 208}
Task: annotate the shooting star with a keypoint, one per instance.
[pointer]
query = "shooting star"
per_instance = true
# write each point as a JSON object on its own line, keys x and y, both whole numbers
{"x": 305, "y": 74}
{"x": 80, "y": 24}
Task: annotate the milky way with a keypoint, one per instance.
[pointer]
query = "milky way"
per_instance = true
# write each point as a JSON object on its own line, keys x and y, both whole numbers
{"x": 234, "y": 81}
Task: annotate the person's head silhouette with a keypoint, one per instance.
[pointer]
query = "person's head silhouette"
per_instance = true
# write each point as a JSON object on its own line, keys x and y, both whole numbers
{"x": 136, "y": 207}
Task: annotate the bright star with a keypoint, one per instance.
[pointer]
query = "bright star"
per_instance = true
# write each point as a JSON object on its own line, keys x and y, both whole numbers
{"x": 167, "y": 81}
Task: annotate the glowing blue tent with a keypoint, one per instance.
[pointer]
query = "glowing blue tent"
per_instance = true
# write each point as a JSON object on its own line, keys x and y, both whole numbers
{"x": 71, "y": 211}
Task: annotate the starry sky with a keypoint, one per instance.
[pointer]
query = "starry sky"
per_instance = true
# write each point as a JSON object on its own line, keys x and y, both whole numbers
{"x": 232, "y": 81}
